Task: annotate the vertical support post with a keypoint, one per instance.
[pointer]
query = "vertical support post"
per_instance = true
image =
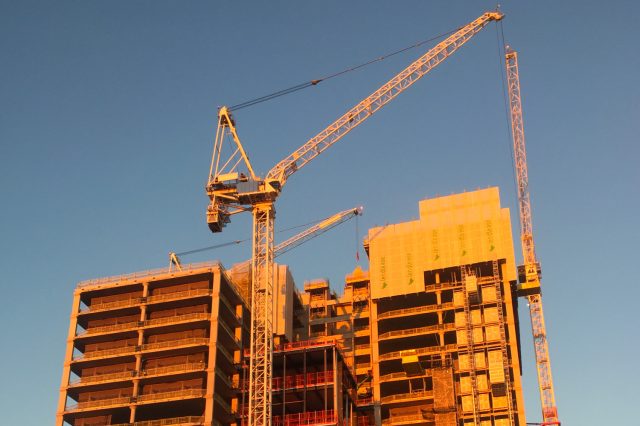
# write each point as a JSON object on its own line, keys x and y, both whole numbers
{"x": 138, "y": 371}
{"x": 66, "y": 370}
{"x": 284, "y": 386}
{"x": 324, "y": 370}
{"x": 214, "y": 318}
{"x": 260, "y": 367}
{"x": 336, "y": 383}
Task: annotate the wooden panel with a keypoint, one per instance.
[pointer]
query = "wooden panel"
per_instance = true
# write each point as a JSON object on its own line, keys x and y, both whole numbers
{"x": 115, "y": 297}
{"x": 489, "y": 294}
{"x": 491, "y": 314}
{"x": 476, "y": 317}
{"x": 443, "y": 388}
{"x": 458, "y": 299}
{"x": 113, "y": 320}
{"x": 105, "y": 394}
{"x": 179, "y": 311}
{"x": 496, "y": 367}
{"x": 461, "y": 337}
{"x": 493, "y": 333}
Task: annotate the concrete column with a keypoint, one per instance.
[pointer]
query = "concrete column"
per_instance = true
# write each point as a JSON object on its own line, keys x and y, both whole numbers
{"x": 373, "y": 321}
{"x": 66, "y": 370}
{"x": 132, "y": 415}
{"x": 138, "y": 371}
{"x": 213, "y": 339}
{"x": 337, "y": 401}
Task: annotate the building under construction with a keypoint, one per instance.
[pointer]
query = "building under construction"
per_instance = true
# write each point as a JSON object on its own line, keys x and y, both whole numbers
{"x": 428, "y": 336}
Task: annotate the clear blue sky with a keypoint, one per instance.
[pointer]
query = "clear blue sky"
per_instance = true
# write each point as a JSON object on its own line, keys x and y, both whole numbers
{"x": 108, "y": 109}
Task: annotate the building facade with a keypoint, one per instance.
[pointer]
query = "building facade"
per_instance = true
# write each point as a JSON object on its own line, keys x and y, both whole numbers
{"x": 427, "y": 336}
{"x": 432, "y": 328}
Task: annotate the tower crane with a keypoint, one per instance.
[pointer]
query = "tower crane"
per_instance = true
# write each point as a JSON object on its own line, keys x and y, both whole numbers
{"x": 233, "y": 187}
{"x": 530, "y": 272}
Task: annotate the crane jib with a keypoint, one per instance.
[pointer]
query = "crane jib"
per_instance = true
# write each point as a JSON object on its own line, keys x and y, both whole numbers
{"x": 227, "y": 197}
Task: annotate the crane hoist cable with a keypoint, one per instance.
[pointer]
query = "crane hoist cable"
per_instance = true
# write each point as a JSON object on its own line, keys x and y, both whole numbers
{"x": 315, "y": 82}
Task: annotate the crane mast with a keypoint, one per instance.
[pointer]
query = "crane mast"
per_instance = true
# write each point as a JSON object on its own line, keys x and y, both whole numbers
{"x": 529, "y": 272}
{"x": 233, "y": 188}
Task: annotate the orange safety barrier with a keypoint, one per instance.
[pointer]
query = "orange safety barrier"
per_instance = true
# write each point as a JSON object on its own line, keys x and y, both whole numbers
{"x": 366, "y": 400}
{"x": 302, "y": 344}
{"x": 306, "y": 419}
{"x": 365, "y": 421}
{"x": 298, "y": 380}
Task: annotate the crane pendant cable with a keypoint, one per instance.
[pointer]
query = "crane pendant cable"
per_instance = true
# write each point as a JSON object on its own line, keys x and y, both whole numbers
{"x": 315, "y": 82}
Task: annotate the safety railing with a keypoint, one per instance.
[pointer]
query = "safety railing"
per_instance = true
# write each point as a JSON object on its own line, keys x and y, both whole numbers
{"x": 314, "y": 284}
{"x": 306, "y": 344}
{"x": 175, "y": 421}
{"x": 318, "y": 297}
{"x": 415, "y": 311}
{"x": 394, "y": 376}
{"x": 360, "y": 292}
{"x": 132, "y": 325}
{"x": 415, "y": 331}
{"x": 406, "y": 396}
{"x": 186, "y": 294}
{"x": 409, "y": 418}
{"x": 364, "y": 401}
{"x": 487, "y": 280}
{"x": 308, "y": 418}
{"x": 97, "y": 403}
{"x": 318, "y": 315}
{"x": 302, "y": 380}
{"x": 105, "y": 353}
{"x": 121, "y": 375}
{"x": 363, "y": 346}
{"x": 195, "y": 316}
{"x": 365, "y": 421}
{"x": 421, "y": 351}
{"x": 112, "y": 305}
{"x": 441, "y": 286}
{"x": 165, "y": 396}
{"x": 192, "y": 341}
{"x": 148, "y": 273}
{"x": 179, "y": 368}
